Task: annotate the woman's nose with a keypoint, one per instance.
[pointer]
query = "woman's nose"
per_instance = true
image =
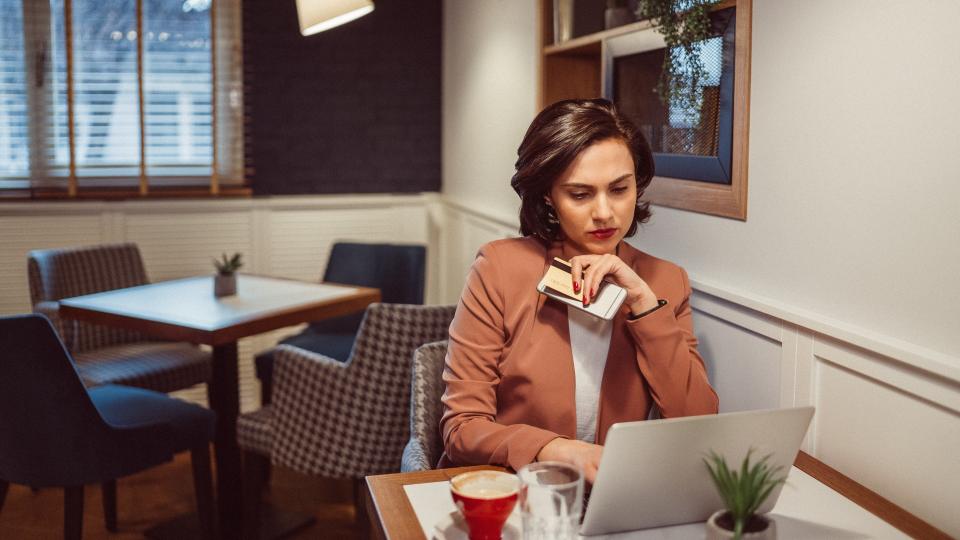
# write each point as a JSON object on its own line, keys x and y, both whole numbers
{"x": 601, "y": 209}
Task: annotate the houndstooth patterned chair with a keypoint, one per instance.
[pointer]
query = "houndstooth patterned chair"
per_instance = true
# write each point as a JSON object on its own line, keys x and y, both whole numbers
{"x": 424, "y": 448}
{"x": 106, "y": 355}
{"x": 340, "y": 420}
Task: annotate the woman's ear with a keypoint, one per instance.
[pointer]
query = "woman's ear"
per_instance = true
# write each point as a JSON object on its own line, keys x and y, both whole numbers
{"x": 548, "y": 200}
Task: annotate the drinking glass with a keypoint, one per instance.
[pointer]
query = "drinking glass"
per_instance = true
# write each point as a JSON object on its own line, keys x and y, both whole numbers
{"x": 551, "y": 500}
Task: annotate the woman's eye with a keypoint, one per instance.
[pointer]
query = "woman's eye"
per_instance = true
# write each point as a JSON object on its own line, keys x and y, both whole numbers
{"x": 578, "y": 196}
{"x": 621, "y": 189}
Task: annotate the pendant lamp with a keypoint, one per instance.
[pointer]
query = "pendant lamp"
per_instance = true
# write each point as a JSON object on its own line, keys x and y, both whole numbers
{"x": 319, "y": 15}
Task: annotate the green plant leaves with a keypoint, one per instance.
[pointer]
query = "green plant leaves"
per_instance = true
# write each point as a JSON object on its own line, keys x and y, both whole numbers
{"x": 745, "y": 490}
{"x": 684, "y": 24}
{"x": 228, "y": 265}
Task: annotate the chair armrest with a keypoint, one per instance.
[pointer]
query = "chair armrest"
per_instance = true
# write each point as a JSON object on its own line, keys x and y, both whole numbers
{"x": 307, "y": 408}
{"x": 414, "y": 457}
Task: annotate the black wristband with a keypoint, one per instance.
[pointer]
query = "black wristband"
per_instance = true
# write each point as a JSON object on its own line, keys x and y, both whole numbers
{"x": 660, "y": 304}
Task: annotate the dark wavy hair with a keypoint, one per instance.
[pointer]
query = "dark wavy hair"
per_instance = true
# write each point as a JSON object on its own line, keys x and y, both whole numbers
{"x": 554, "y": 139}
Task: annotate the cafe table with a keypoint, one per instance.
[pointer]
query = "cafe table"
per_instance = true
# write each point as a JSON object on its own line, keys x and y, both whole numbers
{"x": 817, "y": 502}
{"x": 187, "y": 310}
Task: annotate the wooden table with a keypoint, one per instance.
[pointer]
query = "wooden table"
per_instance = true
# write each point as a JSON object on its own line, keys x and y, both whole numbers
{"x": 186, "y": 310}
{"x": 392, "y": 516}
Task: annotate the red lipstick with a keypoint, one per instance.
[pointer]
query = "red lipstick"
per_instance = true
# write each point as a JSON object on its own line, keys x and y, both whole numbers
{"x": 603, "y": 234}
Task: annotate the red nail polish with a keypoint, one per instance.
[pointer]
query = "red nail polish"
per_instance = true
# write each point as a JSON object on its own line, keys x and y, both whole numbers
{"x": 593, "y": 293}
{"x": 576, "y": 286}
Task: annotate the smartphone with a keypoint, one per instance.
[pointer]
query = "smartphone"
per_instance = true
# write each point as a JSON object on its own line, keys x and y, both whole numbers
{"x": 557, "y": 283}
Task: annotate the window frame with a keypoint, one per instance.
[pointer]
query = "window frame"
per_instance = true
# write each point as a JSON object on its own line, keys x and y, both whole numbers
{"x": 720, "y": 199}
{"x": 41, "y": 184}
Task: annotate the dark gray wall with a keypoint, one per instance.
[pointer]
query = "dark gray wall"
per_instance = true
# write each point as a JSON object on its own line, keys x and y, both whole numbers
{"x": 355, "y": 109}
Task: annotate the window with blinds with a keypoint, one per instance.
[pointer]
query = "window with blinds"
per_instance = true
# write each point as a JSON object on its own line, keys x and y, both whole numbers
{"x": 120, "y": 96}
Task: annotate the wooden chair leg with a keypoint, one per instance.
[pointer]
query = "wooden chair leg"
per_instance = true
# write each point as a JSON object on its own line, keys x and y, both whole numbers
{"x": 254, "y": 466}
{"x": 109, "y": 491}
{"x": 73, "y": 513}
{"x": 4, "y": 486}
{"x": 203, "y": 487}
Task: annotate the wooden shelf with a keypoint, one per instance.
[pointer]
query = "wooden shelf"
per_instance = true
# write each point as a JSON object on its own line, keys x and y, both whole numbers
{"x": 591, "y": 42}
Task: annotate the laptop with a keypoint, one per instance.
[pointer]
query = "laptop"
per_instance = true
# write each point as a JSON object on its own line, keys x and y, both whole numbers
{"x": 652, "y": 473}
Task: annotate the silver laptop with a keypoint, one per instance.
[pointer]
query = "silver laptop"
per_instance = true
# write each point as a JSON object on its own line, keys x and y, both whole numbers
{"x": 652, "y": 473}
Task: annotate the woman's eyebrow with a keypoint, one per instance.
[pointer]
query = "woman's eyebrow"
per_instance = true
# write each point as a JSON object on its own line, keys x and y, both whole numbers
{"x": 590, "y": 186}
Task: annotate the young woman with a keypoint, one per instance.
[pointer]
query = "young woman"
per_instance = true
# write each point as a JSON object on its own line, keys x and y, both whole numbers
{"x": 529, "y": 379}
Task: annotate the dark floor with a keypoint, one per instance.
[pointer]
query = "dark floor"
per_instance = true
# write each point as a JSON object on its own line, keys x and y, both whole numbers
{"x": 165, "y": 492}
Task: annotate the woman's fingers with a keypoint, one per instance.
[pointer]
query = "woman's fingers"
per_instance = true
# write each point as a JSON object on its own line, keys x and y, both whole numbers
{"x": 594, "y": 275}
{"x": 579, "y": 265}
{"x": 576, "y": 271}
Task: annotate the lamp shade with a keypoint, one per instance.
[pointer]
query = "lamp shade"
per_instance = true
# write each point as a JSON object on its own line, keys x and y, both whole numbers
{"x": 319, "y": 15}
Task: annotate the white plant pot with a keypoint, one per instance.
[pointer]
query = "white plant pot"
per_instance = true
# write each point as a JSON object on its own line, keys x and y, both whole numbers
{"x": 224, "y": 284}
{"x": 716, "y": 532}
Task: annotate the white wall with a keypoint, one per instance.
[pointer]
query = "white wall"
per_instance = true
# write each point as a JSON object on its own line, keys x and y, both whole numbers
{"x": 840, "y": 290}
{"x": 854, "y": 191}
{"x": 489, "y": 97}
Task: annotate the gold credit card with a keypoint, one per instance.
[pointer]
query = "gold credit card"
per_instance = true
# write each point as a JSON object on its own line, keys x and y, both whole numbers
{"x": 557, "y": 283}
{"x": 559, "y": 279}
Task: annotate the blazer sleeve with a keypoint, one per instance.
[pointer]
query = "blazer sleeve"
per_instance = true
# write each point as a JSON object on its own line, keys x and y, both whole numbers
{"x": 471, "y": 434}
{"x": 668, "y": 358}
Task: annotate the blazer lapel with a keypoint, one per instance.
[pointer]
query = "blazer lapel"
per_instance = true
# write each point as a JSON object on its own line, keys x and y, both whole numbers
{"x": 553, "y": 314}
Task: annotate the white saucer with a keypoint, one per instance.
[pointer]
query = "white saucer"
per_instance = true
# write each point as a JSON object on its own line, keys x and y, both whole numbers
{"x": 453, "y": 527}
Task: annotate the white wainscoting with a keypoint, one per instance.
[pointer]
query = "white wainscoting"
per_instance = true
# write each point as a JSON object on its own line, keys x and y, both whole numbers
{"x": 282, "y": 236}
{"x": 888, "y": 412}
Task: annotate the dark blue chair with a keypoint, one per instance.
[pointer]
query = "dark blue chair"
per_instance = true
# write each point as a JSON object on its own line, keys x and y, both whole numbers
{"x": 57, "y": 433}
{"x": 397, "y": 270}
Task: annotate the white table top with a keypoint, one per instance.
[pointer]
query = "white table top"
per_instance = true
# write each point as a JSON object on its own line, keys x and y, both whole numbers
{"x": 806, "y": 509}
{"x": 190, "y": 302}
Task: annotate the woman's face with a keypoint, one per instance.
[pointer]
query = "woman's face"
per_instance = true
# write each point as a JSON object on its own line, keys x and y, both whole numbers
{"x": 595, "y": 198}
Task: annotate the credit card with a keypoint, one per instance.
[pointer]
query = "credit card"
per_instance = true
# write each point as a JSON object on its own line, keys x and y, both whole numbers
{"x": 557, "y": 283}
{"x": 559, "y": 279}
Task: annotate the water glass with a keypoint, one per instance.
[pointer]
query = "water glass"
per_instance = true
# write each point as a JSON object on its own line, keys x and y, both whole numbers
{"x": 551, "y": 500}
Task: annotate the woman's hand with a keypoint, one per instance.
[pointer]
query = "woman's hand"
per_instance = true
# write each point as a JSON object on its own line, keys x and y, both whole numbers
{"x": 584, "y": 455}
{"x": 589, "y": 270}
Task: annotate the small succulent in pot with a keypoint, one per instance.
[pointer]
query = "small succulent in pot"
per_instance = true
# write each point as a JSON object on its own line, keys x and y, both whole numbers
{"x": 743, "y": 492}
{"x": 225, "y": 282}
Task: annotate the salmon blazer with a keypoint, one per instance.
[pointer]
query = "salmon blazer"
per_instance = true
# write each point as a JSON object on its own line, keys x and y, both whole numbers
{"x": 509, "y": 368}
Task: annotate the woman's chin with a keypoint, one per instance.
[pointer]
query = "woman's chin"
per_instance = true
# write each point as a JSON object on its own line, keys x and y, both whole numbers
{"x": 600, "y": 246}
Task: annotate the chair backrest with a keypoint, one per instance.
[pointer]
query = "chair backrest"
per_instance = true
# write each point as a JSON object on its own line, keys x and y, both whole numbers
{"x": 49, "y": 427}
{"x": 397, "y": 270}
{"x": 425, "y": 447}
{"x": 361, "y": 423}
{"x": 61, "y": 273}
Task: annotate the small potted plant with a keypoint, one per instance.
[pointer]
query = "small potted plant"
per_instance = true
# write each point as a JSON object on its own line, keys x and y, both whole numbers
{"x": 225, "y": 281}
{"x": 742, "y": 492}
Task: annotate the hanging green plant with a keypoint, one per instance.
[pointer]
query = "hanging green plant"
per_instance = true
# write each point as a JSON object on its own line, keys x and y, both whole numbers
{"x": 684, "y": 24}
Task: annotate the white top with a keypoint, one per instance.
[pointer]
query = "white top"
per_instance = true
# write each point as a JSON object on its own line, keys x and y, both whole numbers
{"x": 590, "y": 343}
